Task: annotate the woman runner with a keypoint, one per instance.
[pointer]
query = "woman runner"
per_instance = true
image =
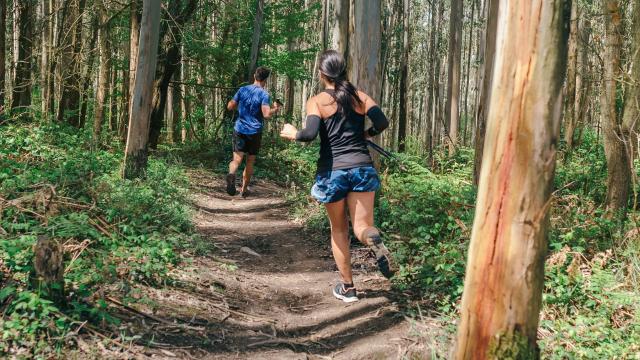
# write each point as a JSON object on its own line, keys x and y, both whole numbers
{"x": 345, "y": 172}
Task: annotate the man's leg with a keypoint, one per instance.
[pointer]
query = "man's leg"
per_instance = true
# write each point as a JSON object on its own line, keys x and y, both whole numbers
{"x": 235, "y": 162}
{"x": 248, "y": 172}
{"x": 233, "y": 168}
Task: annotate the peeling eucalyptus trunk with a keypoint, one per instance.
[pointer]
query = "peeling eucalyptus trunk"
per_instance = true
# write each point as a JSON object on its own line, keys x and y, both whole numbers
{"x": 505, "y": 267}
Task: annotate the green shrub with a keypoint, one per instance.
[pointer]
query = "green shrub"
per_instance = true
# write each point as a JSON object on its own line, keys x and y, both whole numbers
{"x": 115, "y": 230}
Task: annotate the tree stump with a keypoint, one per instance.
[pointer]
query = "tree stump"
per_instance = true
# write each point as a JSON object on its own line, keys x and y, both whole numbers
{"x": 48, "y": 269}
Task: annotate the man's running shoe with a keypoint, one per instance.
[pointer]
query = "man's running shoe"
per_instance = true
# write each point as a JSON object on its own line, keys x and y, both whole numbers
{"x": 345, "y": 292}
{"x": 245, "y": 193}
{"x": 383, "y": 257}
{"x": 231, "y": 184}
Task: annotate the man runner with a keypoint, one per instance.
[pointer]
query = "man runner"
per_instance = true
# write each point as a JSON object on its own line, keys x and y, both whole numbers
{"x": 252, "y": 102}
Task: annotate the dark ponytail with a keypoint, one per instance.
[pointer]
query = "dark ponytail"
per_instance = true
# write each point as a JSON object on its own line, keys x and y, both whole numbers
{"x": 333, "y": 67}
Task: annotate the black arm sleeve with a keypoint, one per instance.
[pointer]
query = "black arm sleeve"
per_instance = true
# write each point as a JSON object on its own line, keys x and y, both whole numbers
{"x": 379, "y": 120}
{"x": 311, "y": 130}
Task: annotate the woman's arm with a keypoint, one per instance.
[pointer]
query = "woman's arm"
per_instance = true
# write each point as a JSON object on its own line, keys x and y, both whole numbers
{"x": 373, "y": 111}
{"x": 311, "y": 129}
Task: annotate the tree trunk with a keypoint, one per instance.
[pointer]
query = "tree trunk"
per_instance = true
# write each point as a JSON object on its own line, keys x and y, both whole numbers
{"x": 572, "y": 64}
{"x": 69, "y": 105}
{"x": 364, "y": 51}
{"x": 631, "y": 116}
{"x": 619, "y": 174}
{"x": 135, "y": 161}
{"x": 364, "y": 64}
{"x": 255, "y": 39}
{"x": 452, "y": 107}
{"x": 168, "y": 64}
{"x": 21, "y": 97}
{"x": 583, "y": 88}
{"x": 3, "y": 57}
{"x": 468, "y": 73}
{"x": 404, "y": 72}
{"x": 45, "y": 76}
{"x": 340, "y": 38}
{"x": 88, "y": 71}
{"x": 53, "y": 70}
{"x": 505, "y": 267}
{"x": 185, "y": 106}
{"x": 134, "y": 42}
{"x": 487, "y": 57}
{"x": 103, "y": 72}
{"x": 289, "y": 90}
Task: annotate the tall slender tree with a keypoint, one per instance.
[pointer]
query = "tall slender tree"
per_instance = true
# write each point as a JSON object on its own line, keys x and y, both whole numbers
{"x": 255, "y": 39}
{"x": 22, "y": 80}
{"x": 505, "y": 267}
{"x": 487, "y": 56}
{"x": 3, "y": 57}
{"x": 135, "y": 160}
{"x": 71, "y": 47}
{"x": 572, "y": 68}
{"x": 404, "y": 73}
{"x": 340, "y": 34}
{"x": 105, "y": 65}
{"x": 452, "y": 107}
{"x": 619, "y": 174}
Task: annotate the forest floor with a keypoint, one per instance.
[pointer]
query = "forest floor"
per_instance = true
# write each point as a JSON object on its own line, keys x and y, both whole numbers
{"x": 266, "y": 294}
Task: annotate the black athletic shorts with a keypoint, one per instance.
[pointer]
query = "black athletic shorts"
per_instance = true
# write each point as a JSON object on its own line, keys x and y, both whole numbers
{"x": 249, "y": 144}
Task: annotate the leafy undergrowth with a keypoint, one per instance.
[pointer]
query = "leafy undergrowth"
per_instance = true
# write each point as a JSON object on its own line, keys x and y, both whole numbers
{"x": 592, "y": 294}
{"x": 114, "y": 233}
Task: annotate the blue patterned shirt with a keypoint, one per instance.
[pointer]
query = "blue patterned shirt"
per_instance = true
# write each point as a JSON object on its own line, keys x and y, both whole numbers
{"x": 250, "y": 99}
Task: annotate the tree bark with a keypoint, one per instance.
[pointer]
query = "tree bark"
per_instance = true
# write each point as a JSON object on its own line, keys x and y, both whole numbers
{"x": 340, "y": 38}
{"x": 619, "y": 174}
{"x": 255, "y": 39}
{"x": 452, "y": 107}
{"x": 168, "y": 64}
{"x": 631, "y": 116}
{"x": 45, "y": 76}
{"x": 404, "y": 73}
{"x": 468, "y": 72}
{"x": 134, "y": 42}
{"x": 21, "y": 97}
{"x": 3, "y": 57}
{"x": 364, "y": 64}
{"x": 103, "y": 72}
{"x": 69, "y": 104}
{"x": 505, "y": 267}
{"x": 135, "y": 161}
{"x": 572, "y": 65}
{"x": 88, "y": 73}
{"x": 583, "y": 88}
{"x": 487, "y": 57}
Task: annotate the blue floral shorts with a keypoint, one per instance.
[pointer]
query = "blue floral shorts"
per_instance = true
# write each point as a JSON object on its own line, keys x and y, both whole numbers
{"x": 335, "y": 185}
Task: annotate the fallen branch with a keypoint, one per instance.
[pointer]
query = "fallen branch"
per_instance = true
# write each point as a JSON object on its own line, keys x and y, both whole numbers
{"x": 152, "y": 317}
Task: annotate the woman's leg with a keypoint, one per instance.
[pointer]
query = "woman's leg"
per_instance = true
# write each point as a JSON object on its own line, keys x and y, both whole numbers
{"x": 340, "y": 239}
{"x": 361, "y": 211}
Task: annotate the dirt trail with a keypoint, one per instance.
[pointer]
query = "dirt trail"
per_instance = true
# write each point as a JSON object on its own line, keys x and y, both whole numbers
{"x": 275, "y": 305}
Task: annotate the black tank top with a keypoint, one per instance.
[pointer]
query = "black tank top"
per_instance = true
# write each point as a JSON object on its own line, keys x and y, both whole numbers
{"x": 342, "y": 142}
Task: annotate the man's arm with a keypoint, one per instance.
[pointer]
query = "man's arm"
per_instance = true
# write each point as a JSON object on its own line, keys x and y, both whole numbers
{"x": 268, "y": 111}
{"x": 232, "y": 105}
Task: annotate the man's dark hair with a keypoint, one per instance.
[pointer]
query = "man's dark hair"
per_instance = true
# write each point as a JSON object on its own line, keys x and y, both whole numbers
{"x": 262, "y": 73}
